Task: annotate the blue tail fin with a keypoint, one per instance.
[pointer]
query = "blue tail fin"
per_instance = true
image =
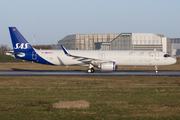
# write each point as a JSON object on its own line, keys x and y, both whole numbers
{"x": 18, "y": 41}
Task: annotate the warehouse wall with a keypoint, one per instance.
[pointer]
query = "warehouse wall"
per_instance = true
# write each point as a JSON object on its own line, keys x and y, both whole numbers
{"x": 122, "y": 42}
{"x": 85, "y": 41}
{"x": 146, "y": 41}
{"x": 68, "y": 42}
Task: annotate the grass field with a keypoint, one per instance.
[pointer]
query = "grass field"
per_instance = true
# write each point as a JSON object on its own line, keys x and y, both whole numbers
{"x": 88, "y": 97}
{"x": 9, "y": 58}
{"x": 108, "y": 97}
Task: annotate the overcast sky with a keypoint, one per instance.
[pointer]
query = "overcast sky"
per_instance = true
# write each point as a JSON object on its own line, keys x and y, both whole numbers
{"x": 52, "y": 20}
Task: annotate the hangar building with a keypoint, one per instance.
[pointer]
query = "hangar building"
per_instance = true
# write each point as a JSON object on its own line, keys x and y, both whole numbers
{"x": 137, "y": 41}
{"x": 175, "y": 46}
{"x": 123, "y": 41}
{"x": 84, "y": 41}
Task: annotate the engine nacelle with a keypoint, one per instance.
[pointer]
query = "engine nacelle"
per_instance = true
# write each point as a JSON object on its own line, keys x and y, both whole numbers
{"x": 109, "y": 66}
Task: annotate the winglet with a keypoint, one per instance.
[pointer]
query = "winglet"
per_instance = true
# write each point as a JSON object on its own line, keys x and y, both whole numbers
{"x": 64, "y": 49}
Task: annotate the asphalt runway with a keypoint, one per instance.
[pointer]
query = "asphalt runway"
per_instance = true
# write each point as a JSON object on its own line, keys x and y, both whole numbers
{"x": 84, "y": 73}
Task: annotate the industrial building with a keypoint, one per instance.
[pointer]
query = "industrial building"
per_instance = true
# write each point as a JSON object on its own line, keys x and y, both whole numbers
{"x": 175, "y": 46}
{"x": 123, "y": 41}
{"x": 84, "y": 41}
{"x": 137, "y": 41}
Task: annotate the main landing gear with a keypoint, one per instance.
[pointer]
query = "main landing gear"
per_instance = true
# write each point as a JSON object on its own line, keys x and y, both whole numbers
{"x": 156, "y": 69}
{"x": 91, "y": 69}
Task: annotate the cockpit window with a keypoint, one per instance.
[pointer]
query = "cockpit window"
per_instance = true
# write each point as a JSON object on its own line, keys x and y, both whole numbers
{"x": 167, "y": 55}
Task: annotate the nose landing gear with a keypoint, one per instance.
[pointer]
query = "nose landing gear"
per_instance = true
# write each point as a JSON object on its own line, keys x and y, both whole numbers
{"x": 156, "y": 69}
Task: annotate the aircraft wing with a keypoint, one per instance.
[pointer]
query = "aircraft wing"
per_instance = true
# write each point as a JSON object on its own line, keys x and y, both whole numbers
{"x": 81, "y": 58}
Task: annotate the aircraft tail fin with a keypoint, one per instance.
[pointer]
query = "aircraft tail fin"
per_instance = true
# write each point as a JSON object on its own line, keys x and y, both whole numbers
{"x": 18, "y": 41}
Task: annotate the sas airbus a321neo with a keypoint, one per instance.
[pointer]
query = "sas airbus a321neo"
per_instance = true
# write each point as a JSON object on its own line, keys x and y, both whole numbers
{"x": 102, "y": 59}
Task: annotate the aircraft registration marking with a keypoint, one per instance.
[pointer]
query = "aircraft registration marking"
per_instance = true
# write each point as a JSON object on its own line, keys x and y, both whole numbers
{"x": 50, "y": 58}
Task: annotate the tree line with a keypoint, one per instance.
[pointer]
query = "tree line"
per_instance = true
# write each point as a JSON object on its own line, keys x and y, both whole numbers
{"x": 5, "y": 48}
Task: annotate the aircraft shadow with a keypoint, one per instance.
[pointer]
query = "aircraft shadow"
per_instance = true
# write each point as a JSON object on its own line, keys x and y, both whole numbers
{"x": 18, "y": 69}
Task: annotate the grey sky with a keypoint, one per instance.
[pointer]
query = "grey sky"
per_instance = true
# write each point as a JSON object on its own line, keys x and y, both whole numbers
{"x": 51, "y": 20}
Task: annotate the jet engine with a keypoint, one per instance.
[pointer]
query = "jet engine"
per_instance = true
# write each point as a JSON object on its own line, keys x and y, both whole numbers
{"x": 109, "y": 66}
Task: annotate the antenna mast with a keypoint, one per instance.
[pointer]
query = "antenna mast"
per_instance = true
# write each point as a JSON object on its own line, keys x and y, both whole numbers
{"x": 34, "y": 40}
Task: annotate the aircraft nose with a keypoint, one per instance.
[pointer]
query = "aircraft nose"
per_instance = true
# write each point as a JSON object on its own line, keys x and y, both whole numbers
{"x": 174, "y": 61}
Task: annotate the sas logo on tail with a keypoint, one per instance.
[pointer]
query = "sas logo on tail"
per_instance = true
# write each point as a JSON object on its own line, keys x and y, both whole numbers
{"x": 21, "y": 46}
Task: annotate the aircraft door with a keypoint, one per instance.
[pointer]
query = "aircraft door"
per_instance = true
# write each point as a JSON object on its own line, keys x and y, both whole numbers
{"x": 156, "y": 56}
{"x": 34, "y": 55}
{"x": 101, "y": 55}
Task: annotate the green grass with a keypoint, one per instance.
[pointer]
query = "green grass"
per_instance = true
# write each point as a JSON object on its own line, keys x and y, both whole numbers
{"x": 9, "y": 59}
{"x": 26, "y": 97}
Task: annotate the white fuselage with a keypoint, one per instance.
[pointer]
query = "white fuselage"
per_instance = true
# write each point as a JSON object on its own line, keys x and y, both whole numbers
{"x": 120, "y": 57}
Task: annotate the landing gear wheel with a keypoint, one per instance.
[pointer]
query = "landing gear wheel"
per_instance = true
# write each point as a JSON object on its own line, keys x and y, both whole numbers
{"x": 90, "y": 70}
{"x": 156, "y": 69}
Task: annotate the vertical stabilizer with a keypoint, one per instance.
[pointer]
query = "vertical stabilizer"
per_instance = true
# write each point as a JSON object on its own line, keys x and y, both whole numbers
{"x": 18, "y": 41}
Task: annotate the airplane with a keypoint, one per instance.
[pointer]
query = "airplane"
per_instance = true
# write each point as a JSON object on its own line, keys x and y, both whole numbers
{"x": 106, "y": 60}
